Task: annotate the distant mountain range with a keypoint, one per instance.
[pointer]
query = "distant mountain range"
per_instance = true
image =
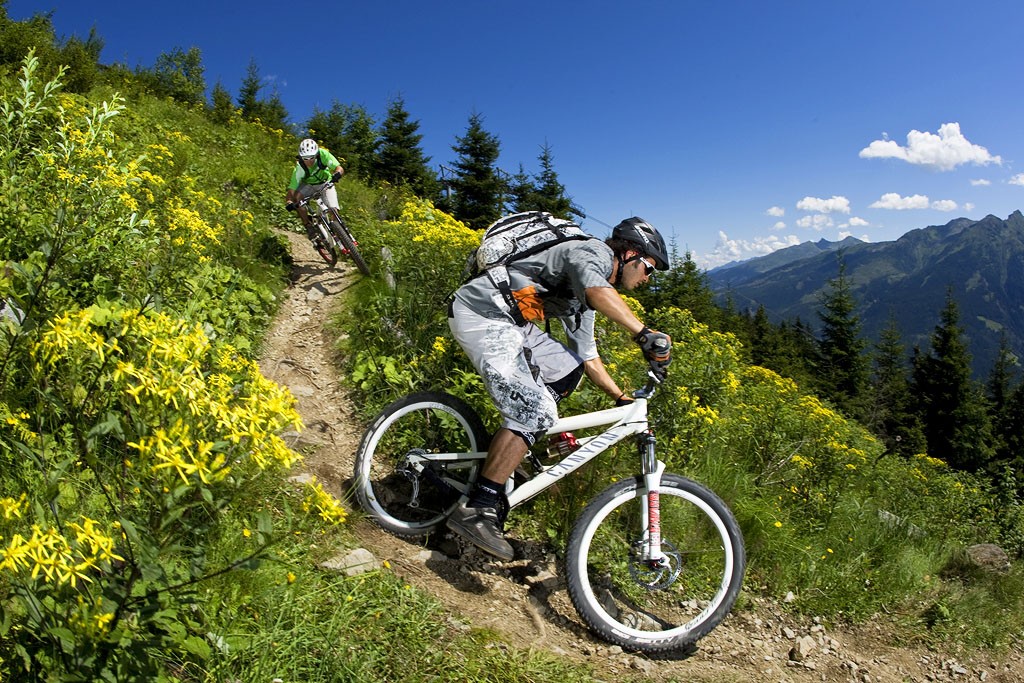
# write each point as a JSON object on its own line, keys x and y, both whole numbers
{"x": 983, "y": 261}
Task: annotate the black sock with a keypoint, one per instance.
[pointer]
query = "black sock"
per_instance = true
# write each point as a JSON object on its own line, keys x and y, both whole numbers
{"x": 485, "y": 493}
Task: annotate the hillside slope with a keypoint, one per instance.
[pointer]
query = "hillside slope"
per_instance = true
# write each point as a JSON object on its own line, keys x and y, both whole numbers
{"x": 524, "y": 601}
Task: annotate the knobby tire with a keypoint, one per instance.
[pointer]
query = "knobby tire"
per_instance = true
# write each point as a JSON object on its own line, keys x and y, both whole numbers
{"x": 341, "y": 232}
{"x": 649, "y": 609}
{"x": 427, "y": 421}
{"x": 323, "y": 245}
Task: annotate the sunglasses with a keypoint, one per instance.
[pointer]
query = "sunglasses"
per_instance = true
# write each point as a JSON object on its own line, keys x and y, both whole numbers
{"x": 648, "y": 267}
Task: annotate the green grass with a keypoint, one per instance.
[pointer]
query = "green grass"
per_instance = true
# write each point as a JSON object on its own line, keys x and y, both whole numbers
{"x": 324, "y": 626}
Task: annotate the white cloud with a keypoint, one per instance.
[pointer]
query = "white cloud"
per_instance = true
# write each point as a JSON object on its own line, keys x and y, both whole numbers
{"x": 727, "y": 249}
{"x": 779, "y": 226}
{"x": 818, "y": 221}
{"x": 858, "y": 222}
{"x": 1017, "y": 179}
{"x": 968, "y": 206}
{"x": 942, "y": 152}
{"x": 981, "y": 182}
{"x": 892, "y": 200}
{"x": 835, "y": 204}
{"x": 776, "y": 211}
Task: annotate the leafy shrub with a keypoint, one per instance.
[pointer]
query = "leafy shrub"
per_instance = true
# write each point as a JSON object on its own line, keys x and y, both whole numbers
{"x": 398, "y": 326}
{"x": 825, "y": 512}
{"x": 134, "y": 438}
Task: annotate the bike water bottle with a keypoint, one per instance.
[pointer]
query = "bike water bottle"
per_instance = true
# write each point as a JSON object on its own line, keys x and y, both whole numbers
{"x": 562, "y": 444}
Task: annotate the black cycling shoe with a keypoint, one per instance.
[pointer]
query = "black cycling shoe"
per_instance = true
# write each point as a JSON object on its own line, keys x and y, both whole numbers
{"x": 480, "y": 527}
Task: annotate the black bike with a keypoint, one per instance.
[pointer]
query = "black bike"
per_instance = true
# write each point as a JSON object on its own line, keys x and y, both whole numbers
{"x": 333, "y": 237}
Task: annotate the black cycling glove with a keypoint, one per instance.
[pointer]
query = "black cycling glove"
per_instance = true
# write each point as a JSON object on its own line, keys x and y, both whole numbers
{"x": 657, "y": 349}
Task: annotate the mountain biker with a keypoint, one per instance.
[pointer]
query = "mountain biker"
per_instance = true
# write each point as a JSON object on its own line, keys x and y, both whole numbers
{"x": 314, "y": 167}
{"x": 526, "y": 371}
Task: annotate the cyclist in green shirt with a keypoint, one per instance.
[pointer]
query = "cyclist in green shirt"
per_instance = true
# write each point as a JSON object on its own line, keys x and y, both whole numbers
{"x": 314, "y": 167}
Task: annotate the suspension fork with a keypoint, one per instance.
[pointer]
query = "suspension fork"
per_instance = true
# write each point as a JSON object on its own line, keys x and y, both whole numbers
{"x": 324, "y": 228}
{"x": 651, "y": 503}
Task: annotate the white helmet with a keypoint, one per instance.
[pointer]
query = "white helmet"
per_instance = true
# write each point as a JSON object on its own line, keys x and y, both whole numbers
{"x": 308, "y": 148}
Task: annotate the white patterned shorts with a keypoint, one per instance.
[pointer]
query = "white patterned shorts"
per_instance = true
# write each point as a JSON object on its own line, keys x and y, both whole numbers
{"x": 517, "y": 364}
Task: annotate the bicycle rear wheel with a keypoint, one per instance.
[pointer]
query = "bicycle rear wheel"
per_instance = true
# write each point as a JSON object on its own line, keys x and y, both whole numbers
{"x": 655, "y": 609}
{"x": 341, "y": 231}
{"x": 406, "y": 495}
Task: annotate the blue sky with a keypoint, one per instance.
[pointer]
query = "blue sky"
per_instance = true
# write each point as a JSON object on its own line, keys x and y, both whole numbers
{"x": 735, "y": 127}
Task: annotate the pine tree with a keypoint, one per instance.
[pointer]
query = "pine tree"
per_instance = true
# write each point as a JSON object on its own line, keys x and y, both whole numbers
{"x": 542, "y": 192}
{"x": 348, "y": 132}
{"x": 683, "y": 285}
{"x": 478, "y": 189}
{"x": 179, "y": 75}
{"x": 842, "y": 371}
{"x": 1000, "y": 378}
{"x": 248, "y": 94}
{"x": 764, "y": 340}
{"x": 221, "y": 106}
{"x": 551, "y": 195}
{"x": 360, "y": 141}
{"x": 522, "y": 190}
{"x": 271, "y": 111}
{"x": 999, "y": 390}
{"x": 1011, "y": 454}
{"x": 951, "y": 406}
{"x": 796, "y": 352}
{"x": 400, "y": 159}
{"x": 890, "y": 414}
{"x": 785, "y": 348}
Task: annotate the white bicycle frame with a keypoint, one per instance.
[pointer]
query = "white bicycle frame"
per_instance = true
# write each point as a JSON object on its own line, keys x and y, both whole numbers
{"x": 625, "y": 421}
{"x": 317, "y": 198}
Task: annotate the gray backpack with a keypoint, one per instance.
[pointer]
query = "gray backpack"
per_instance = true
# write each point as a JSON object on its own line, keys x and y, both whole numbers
{"x": 515, "y": 237}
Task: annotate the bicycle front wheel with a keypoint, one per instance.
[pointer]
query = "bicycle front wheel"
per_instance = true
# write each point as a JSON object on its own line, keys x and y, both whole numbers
{"x": 404, "y": 492}
{"x": 323, "y": 243}
{"x": 348, "y": 242}
{"x": 647, "y": 606}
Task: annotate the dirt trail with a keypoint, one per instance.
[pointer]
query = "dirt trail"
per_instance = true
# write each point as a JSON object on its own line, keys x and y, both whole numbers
{"x": 525, "y": 600}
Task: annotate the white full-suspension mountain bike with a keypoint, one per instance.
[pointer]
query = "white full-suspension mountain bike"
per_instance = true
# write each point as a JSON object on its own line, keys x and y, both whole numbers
{"x": 653, "y": 563}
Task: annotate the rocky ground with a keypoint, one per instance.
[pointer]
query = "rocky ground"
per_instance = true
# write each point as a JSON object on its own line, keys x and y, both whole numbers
{"x": 525, "y": 600}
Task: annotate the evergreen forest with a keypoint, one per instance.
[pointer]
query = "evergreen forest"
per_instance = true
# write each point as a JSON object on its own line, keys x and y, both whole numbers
{"x": 149, "y": 530}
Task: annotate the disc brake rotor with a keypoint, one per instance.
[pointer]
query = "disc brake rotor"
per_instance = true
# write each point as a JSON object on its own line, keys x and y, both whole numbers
{"x": 655, "y": 575}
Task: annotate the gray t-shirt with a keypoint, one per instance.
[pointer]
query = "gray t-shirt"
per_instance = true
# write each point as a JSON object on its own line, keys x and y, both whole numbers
{"x": 559, "y": 277}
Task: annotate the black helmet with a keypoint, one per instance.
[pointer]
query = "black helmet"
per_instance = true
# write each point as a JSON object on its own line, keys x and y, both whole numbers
{"x": 646, "y": 237}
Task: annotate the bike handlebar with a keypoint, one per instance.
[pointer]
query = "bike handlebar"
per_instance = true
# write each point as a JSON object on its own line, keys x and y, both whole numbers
{"x": 315, "y": 194}
{"x": 648, "y": 390}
